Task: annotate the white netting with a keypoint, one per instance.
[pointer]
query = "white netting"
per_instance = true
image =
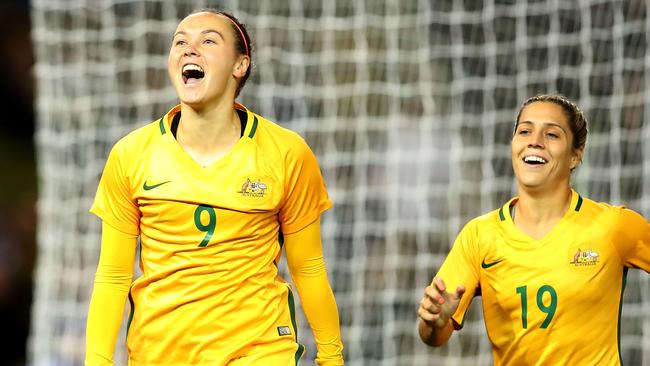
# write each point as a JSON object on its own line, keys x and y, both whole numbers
{"x": 409, "y": 105}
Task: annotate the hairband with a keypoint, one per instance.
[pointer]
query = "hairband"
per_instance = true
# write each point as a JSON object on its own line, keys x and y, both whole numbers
{"x": 241, "y": 33}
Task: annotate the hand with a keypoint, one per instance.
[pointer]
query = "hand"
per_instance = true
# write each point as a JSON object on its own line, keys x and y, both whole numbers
{"x": 437, "y": 305}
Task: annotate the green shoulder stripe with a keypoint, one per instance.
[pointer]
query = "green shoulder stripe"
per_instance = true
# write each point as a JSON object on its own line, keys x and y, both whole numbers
{"x": 579, "y": 204}
{"x": 253, "y": 128}
{"x": 162, "y": 126}
{"x": 501, "y": 215}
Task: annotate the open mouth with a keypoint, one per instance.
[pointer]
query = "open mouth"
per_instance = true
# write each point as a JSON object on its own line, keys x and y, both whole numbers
{"x": 534, "y": 160}
{"x": 192, "y": 73}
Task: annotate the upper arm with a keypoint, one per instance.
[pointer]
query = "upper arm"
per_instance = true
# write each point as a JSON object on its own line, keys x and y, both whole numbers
{"x": 116, "y": 260}
{"x": 305, "y": 194}
{"x": 304, "y": 249}
{"x": 632, "y": 239}
{"x": 114, "y": 202}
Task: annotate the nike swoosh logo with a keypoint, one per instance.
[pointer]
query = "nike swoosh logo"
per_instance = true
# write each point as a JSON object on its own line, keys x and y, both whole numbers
{"x": 146, "y": 187}
{"x": 488, "y": 265}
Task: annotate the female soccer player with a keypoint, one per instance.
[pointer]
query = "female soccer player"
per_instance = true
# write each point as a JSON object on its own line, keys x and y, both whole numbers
{"x": 550, "y": 265}
{"x": 214, "y": 192}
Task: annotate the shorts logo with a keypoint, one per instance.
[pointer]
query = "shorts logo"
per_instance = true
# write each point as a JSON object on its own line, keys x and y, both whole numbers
{"x": 253, "y": 188}
{"x": 284, "y": 331}
{"x": 587, "y": 257}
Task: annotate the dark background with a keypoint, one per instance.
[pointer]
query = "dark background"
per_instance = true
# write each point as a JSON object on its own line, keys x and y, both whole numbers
{"x": 18, "y": 180}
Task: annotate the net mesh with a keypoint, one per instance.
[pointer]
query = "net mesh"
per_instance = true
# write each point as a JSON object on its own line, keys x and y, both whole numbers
{"x": 409, "y": 106}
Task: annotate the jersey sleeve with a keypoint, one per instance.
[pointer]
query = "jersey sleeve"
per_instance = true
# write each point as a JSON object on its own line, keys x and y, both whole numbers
{"x": 113, "y": 202}
{"x": 461, "y": 268}
{"x": 110, "y": 290}
{"x": 632, "y": 239}
{"x": 305, "y": 194}
{"x": 308, "y": 271}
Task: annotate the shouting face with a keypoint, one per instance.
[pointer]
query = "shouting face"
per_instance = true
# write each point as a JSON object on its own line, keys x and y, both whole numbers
{"x": 203, "y": 65}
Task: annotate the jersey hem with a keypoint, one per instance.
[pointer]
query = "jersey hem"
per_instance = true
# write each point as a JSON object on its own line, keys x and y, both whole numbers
{"x": 307, "y": 219}
{"x": 113, "y": 222}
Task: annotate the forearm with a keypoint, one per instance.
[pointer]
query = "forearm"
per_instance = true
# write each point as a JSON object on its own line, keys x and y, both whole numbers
{"x": 305, "y": 261}
{"x": 321, "y": 311}
{"x": 433, "y": 336}
{"x": 104, "y": 321}
{"x": 110, "y": 290}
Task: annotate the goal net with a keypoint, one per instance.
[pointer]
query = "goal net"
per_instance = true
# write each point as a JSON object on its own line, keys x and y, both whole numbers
{"x": 409, "y": 106}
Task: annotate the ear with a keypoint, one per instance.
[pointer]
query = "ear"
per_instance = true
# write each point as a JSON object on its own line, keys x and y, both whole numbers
{"x": 241, "y": 66}
{"x": 576, "y": 158}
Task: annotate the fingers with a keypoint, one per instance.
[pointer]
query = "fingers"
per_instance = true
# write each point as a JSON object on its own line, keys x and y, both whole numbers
{"x": 427, "y": 315}
{"x": 460, "y": 290}
{"x": 439, "y": 284}
{"x": 433, "y": 293}
{"x": 437, "y": 301}
{"x": 429, "y": 310}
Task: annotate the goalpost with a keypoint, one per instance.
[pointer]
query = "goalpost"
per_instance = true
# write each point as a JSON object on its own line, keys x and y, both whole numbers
{"x": 409, "y": 106}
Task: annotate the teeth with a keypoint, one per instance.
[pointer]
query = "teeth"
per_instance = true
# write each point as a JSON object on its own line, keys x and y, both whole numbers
{"x": 534, "y": 159}
{"x": 192, "y": 67}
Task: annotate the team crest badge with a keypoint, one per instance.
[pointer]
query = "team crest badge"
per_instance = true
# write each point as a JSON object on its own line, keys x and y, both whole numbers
{"x": 587, "y": 257}
{"x": 252, "y": 188}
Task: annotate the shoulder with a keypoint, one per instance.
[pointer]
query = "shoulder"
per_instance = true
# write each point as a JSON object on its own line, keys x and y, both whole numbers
{"x": 594, "y": 211}
{"x": 128, "y": 151}
{"x": 139, "y": 139}
{"x": 609, "y": 216}
{"x": 482, "y": 225}
{"x": 270, "y": 129}
{"x": 269, "y": 135}
{"x": 488, "y": 220}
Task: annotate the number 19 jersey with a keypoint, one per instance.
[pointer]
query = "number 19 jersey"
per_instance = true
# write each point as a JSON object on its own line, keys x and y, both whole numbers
{"x": 210, "y": 238}
{"x": 554, "y": 301}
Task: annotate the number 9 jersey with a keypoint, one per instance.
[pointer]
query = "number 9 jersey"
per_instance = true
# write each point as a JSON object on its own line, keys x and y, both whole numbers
{"x": 210, "y": 237}
{"x": 554, "y": 301}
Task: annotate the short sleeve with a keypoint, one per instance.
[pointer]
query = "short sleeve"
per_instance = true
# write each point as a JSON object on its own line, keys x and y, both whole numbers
{"x": 461, "y": 268}
{"x": 113, "y": 202}
{"x": 305, "y": 193}
{"x": 632, "y": 239}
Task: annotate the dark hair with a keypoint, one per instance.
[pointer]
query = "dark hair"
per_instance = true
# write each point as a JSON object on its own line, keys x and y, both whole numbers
{"x": 575, "y": 117}
{"x": 242, "y": 46}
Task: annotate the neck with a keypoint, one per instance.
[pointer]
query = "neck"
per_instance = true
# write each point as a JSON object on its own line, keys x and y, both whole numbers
{"x": 539, "y": 207}
{"x": 207, "y": 134}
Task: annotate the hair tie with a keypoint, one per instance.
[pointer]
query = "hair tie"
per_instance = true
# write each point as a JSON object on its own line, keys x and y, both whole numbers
{"x": 241, "y": 33}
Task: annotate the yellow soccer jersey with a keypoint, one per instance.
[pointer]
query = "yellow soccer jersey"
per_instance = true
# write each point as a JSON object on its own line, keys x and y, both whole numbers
{"x": 555, "y": 301}
{"x": 210, "y": 238}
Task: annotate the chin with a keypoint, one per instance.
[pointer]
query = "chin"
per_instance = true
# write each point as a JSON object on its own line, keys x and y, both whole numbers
{"x": 191, "y": 99}
{"x": 530, "y": 182}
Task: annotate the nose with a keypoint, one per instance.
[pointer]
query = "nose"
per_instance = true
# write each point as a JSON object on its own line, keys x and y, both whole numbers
{"x": 536, "y": 140}
{"x": 190, "y": 51}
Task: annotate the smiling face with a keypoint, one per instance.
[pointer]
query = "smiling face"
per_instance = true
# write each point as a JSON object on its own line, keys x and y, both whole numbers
{"x": 542, "y": 151}
{"x": 203, "y": 64}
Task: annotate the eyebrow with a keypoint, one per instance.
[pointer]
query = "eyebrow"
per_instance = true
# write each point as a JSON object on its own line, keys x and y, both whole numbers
{"x": 202, "y": 32}
{"x": 545, "y": 124}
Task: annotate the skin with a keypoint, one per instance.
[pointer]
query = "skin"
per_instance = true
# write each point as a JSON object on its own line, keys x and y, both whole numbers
{"x": 435, "y": 311}
{"x": 544, "y": 196}
{"x": 543, "y": 130}
{"x": 209, "y": 125}
{"x": 544, "y": 190}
